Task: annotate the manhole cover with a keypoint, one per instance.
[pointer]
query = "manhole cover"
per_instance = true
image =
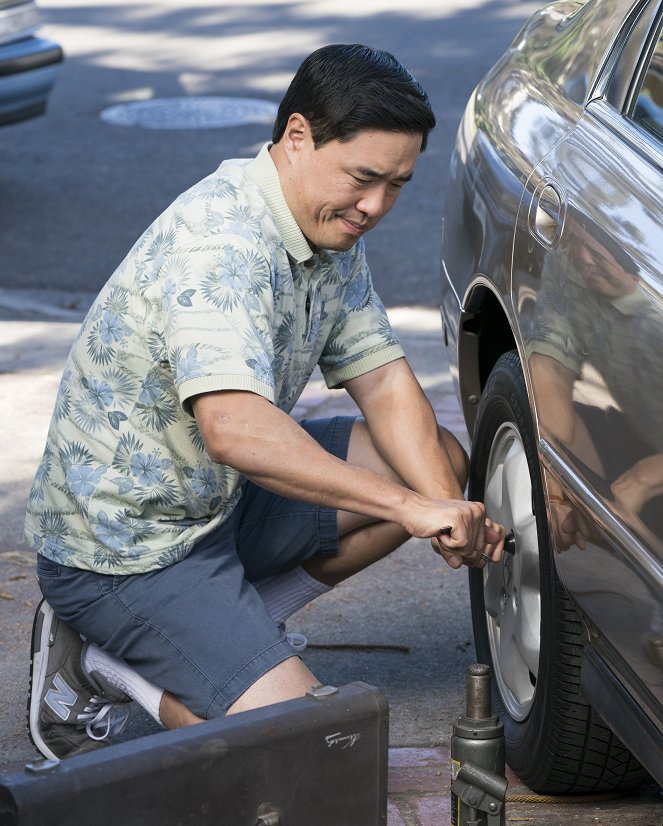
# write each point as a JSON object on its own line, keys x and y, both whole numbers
{"x": 191, "y": 113}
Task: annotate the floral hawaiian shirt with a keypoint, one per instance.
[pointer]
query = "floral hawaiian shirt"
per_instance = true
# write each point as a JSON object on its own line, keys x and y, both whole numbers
{"x": 221, "y": 292}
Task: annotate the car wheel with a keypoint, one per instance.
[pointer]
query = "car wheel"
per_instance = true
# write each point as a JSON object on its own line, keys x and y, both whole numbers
{"x": 525, "y": 626}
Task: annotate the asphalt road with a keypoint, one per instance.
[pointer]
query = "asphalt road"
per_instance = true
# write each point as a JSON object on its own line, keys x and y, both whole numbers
{"x": 76, "y": 192}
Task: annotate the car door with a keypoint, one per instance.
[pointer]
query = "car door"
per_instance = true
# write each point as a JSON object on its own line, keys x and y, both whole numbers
{"x": 588, "y": 285}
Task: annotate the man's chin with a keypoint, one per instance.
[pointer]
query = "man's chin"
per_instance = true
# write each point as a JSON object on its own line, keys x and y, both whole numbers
{"x": 344, "y": 247}
{"x": 333, "y": 245}
{"x": 342, "y": 244}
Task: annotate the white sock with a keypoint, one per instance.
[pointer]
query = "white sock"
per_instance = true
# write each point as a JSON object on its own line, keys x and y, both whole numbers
{"x": 122, "y": 676}
{"x": 286, "y": 593}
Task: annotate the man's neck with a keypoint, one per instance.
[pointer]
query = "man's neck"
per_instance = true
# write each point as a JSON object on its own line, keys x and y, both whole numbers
{"x": 280, "y": 160}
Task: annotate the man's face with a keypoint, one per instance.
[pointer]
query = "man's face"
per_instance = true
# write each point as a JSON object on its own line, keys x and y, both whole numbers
{"x": 602, "y": 272}
{"x": 341, "y": 190}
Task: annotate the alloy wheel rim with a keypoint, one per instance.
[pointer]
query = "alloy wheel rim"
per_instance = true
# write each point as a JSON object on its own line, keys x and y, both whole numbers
{"x": 512, "y": 592}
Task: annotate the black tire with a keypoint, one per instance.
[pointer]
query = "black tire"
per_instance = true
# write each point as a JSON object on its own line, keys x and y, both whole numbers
{"x": 555, "y": 742}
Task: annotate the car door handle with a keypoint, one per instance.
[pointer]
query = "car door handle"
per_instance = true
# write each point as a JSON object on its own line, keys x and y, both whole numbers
{"x": 546, "y": 214}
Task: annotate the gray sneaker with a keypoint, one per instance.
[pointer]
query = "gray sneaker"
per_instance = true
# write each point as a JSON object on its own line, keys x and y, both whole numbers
{"x": 68, "y": 711}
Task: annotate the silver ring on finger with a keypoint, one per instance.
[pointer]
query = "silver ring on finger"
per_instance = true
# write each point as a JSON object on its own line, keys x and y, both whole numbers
{"x": 486, "y": 558}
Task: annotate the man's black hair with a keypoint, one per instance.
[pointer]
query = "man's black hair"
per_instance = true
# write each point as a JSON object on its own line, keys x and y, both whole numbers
{"x": 343, "y": 89}
{"x": 608, "y": 245}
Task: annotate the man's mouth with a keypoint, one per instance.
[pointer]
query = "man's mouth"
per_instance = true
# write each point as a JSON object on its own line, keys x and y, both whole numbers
{"x": 354, "y": 229}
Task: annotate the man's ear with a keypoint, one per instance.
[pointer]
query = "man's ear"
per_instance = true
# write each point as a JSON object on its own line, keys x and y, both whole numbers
{"x": 297, "y": 133}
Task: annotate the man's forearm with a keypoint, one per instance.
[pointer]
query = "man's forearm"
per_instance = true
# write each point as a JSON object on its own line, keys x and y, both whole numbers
{"x": 405, "y": 432}
{"x": 246, "y": 432}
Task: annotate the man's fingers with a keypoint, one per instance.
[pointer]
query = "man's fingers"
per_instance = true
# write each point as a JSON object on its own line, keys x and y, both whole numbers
{"x": 464, "y": 542}
{"x": 493, "y": 552}
{"x": 494, "y": 535}
{"x": 452, "y": 536}
{"x": 494, "y": 532}
{"x": 452, "y": 559}
{"x": 478, "y": 541}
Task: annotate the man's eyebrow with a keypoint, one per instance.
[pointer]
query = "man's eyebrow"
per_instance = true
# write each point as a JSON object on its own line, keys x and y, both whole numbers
{"x": 371, "y": 173}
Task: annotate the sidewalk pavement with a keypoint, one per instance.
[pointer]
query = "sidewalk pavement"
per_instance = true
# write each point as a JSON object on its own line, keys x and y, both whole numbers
{"x": 36, "y": 330}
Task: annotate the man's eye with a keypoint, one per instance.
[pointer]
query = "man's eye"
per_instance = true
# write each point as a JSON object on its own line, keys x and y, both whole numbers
{"x": 362, "y": 181}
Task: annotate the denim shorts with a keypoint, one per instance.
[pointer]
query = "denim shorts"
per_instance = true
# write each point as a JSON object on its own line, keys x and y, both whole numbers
{"x": 198, "y": 628}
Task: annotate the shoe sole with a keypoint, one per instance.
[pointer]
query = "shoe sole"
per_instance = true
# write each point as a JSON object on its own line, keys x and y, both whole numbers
{"x": 38, "y": 663}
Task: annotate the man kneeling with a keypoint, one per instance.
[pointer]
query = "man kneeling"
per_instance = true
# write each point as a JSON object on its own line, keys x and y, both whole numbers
{"x": 180, "y": 514}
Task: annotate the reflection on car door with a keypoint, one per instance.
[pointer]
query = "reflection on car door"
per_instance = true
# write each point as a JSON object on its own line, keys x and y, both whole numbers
{"x": 588, "y": 286}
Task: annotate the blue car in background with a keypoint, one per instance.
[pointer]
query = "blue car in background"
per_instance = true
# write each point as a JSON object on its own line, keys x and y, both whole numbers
{"x": 28, "y": 64}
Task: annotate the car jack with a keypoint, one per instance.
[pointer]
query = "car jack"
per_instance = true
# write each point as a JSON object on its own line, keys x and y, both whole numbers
{"x": 478, "y": 789}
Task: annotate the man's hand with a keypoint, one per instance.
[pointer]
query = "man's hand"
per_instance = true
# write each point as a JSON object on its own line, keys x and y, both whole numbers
{"x": 405, "y": 432}
{"x": 472, "y": 533}
{"x": 569, "y": 526}
{"x": 634, "y": 488}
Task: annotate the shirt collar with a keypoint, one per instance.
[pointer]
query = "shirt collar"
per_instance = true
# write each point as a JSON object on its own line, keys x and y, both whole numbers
{"x": 264, "y": 173}
{"x": 631, "y": 303}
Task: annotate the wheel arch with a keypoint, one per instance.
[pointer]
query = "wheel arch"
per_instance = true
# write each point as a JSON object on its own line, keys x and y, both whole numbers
{"x": 484, "y": 334}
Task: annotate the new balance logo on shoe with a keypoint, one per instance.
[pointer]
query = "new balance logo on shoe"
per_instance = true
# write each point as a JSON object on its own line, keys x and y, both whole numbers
{"x": 60, "y": 699}
{"x": 68, "y": 713}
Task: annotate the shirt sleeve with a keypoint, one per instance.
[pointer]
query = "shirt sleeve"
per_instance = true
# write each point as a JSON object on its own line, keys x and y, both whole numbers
{"x": 362, "y": 338}
{"x": 553, "y": 333}
{"x": 217, "y": 304}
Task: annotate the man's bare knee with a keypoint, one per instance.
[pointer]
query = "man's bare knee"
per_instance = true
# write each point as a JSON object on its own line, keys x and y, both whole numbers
{"x": 362, "y": 453}
{"x": 174, "y": 714}
{"x": 286, "y": 681}
{"x": 458, "y": 457}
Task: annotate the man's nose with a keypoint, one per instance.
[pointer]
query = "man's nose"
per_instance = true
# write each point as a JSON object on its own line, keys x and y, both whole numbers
{"x": 374, "y": 202}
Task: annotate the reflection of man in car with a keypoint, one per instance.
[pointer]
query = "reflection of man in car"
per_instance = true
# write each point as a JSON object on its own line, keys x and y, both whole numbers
{"x": 593, "y": 313}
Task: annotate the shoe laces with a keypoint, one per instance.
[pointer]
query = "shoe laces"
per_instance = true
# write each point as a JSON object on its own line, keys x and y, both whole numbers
{"x": 102, "y": 718}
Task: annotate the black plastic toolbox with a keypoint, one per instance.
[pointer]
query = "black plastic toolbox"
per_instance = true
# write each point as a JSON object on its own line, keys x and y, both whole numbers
{"x": 320, "y": 760}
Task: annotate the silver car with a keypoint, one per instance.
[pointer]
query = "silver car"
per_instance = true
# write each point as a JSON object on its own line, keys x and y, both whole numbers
{"x": 29, "y": 65}
{"x": 552, "y": 306}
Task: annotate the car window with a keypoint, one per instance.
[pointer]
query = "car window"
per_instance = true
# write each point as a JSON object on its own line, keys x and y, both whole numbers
{"x": 648, "y": 111}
